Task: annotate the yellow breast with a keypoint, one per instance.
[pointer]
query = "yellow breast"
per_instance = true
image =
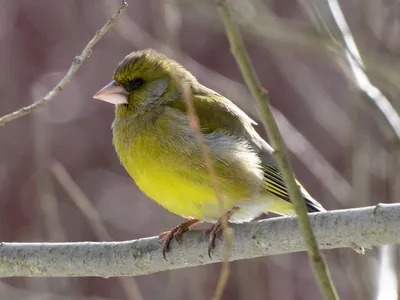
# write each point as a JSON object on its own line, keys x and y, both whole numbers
{"x": 162, "y": 156}
{"x": 166, "y": 175}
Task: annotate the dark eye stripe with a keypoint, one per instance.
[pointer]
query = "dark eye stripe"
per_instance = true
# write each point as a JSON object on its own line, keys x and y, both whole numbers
{"x": 134, "y": 84}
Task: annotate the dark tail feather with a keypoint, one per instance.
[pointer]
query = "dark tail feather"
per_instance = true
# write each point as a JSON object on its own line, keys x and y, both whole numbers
{"x": 313, "y": 205}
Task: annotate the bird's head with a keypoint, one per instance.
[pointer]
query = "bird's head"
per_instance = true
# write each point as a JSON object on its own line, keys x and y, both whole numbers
{"x": 144, "y": 79}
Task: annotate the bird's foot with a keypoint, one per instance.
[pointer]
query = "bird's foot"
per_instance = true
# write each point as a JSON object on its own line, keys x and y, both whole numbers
{"x": 175, "y": 232}
{"x": 216, "y": 229}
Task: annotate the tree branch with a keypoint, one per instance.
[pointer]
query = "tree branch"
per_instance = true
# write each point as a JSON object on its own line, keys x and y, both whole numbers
{"x": 78, "y": 61}
{"x": 238, "y": 49}
{"x": 376, "y": 225}
{"x": 335, "y": 26}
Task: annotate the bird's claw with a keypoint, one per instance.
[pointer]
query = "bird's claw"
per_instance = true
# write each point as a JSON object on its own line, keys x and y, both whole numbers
{"x": 179, "y": 232}
{"x": 214, "y": 232}
{"x": 175, "y": 232}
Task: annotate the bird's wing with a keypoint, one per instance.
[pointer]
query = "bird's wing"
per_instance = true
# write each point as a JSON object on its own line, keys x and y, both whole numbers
{"x": 219, "y": 113}
{"x": 215, "y": 112}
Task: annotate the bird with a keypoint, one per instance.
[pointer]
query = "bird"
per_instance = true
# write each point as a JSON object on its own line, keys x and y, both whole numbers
{"x": 156, "y": 142}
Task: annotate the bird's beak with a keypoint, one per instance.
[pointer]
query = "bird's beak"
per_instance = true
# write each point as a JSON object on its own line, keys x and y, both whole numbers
{"x": 112, "y": 93}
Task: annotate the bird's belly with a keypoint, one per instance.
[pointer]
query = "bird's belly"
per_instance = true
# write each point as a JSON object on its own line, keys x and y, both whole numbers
{"x": 196, "y": 199}
{"x": 172, "y": 179}
{"x": 177, "y": 179}
{"x": 176, "y": 193}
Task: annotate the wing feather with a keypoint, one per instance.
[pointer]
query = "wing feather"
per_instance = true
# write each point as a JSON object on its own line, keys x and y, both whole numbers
{"x": 217, "y": 113}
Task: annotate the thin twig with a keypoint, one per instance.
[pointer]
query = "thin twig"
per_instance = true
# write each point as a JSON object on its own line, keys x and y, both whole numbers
{"x": 340, "y": 33}
{"x": 268, "y": 29}
{"x": 375, "y": 225}
{"x": 172, "y": 25}
{"x": 238, "y": 49}
{"x": 77, "y": 62}
{"x": 205, "y": 151}
{"x": 372, "y": 93}
{"x": 225, "y": 271}
{"x": 49, "y": 222}
{"x": 47, "y": 201}
{"x": 80, "y": 200}
{"x": 75, "y": 193}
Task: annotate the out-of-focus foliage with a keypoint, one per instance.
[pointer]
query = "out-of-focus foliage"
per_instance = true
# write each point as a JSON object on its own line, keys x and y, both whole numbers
{"x": 354, "y": 165}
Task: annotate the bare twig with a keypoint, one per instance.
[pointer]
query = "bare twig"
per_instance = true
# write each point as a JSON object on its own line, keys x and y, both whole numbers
{"x": 204, "y": 149}
{"x": 238, "y": 49}
{"x": 268, "y": 29}
{"x": 75, "y": 193}
{"x": 376, "y": 225}
{"x": 172, "y": 25}
{"x": 329, "y": 177}
{"x": 339, "y": 31}
{"x": 77, "y": 62}
{"x": 49, "y": 222}
{"x": 47, "y": 200}
{"x": 81, "y": 201}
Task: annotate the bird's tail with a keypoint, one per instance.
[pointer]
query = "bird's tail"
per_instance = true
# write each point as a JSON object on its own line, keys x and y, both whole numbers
{"x": 276, "y": 186}
{"x": 313, "y": 205}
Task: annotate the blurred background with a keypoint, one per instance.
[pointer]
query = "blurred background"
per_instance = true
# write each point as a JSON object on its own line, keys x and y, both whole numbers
{"x": 60, "y": 179}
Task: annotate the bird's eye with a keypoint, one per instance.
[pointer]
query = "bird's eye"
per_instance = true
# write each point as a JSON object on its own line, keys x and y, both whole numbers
{"x": 134, "y": 84}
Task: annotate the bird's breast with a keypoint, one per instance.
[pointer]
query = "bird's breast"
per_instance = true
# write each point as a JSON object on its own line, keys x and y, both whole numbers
{"x": 164, "y": 160}
{"x": 165, "y": 170}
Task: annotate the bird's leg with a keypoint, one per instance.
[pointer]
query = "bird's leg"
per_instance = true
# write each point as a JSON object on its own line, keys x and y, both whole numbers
{"x": 216, "y": 228}
{"x": 176, "y": 232}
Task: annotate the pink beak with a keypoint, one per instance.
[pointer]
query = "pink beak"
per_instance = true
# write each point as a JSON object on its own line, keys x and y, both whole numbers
{"x": 112, "y": 93}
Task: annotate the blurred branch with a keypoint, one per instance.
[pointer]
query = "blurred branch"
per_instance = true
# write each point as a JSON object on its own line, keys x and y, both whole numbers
{"x": 386, "y": 276}
{"x": 317, "y": 100}
{"x": 77, "y": 62}
{"x": 205, "y": 151}
{"x": 376, "y": 225}
{"x": 337, "y": 28}
{"x": 328, "y": 176}
{"x": 48, "y": 225}
{"x": 258, "y": 20}
{"x": 129, "y": 284}
{"x": 171, "y": 31}
{"x": 262, "y": 25}
{"x": 47, "y": 200}
{"x": 81, "y": 201}
{"x": 320, "y": 268}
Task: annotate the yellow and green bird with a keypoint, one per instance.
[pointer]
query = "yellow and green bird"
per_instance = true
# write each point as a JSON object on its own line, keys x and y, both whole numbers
{"x": 156, "y": 144}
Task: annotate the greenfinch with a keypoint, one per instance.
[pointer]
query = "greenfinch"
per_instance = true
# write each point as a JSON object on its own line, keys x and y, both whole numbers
{"x": 157, "y": 146}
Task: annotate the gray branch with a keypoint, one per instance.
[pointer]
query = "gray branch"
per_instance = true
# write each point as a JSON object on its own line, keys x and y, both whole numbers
{"x": 334, "y": 229}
